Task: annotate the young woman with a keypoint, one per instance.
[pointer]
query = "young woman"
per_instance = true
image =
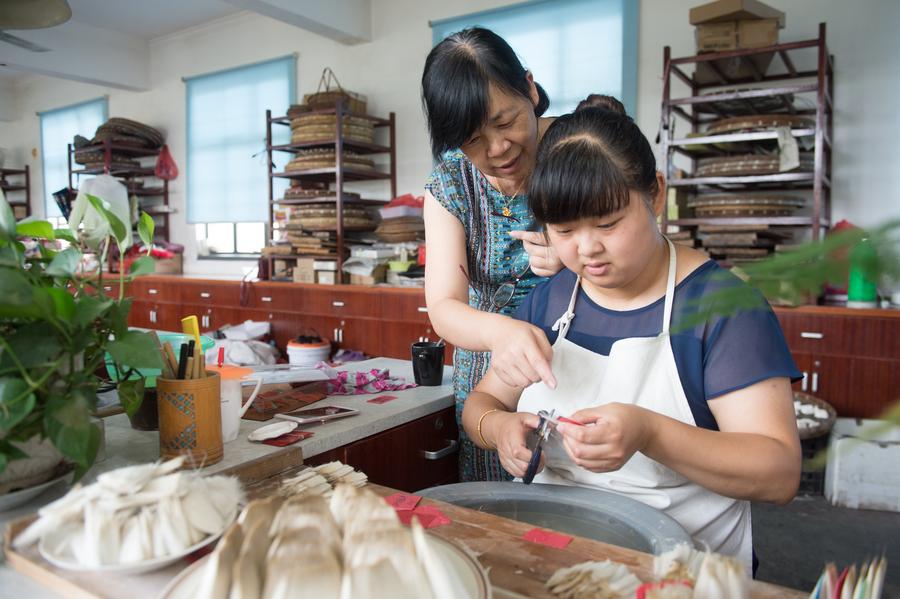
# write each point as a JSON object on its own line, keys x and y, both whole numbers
{"x": 681, "y": 405}
{"x": 483, "y": 110}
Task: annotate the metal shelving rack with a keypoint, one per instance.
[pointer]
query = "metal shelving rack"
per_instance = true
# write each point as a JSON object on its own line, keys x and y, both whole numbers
{"x": 158, "y": 210}
{"x": 334, "y": 177}
{"x": 767, "y": 84}
{"x": 14, "y": 187}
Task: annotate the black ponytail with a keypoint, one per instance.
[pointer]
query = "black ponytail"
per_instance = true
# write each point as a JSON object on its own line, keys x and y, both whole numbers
{"x": 456, "y": 84}
{"x": 589, "y": 161}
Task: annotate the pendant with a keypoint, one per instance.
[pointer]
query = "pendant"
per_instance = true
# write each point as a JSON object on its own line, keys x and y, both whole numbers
{"x": 507, "y": 211}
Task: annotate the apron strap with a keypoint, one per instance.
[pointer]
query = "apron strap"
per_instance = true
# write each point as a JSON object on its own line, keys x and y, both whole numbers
{"x": 670, "y": 289}
{"x": 562, "y": 324}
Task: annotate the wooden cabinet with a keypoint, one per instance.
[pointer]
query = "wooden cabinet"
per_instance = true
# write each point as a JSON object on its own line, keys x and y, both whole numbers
{"x": 410, "y": 457}
{"x": 849, "y": 358}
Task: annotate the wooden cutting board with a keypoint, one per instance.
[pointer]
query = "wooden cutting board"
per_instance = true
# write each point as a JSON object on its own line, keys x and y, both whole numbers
{"x": 516, "y": 568}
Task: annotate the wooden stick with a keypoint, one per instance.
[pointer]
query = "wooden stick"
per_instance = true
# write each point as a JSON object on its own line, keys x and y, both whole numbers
{"x": 173, "y": 361}
{"x": 198, "y": 356}
{"x": 202, "y": 365}
{"x": 166, "y": 369}
{"x": 189, "y": 371}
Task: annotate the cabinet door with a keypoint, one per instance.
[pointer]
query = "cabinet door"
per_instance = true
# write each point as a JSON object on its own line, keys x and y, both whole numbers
{"x": 210, "y": 318}
{"x": 404, "y": 307}
{"x": 363, "y": 334}
{"x": 856, "y": 387}
{"x": 397, "y": 337}
{"x": 139, "y": 316}
{"x": 804, "y": 363}
{"x": 211, "y": 293}
{"x": 417, "y": 455}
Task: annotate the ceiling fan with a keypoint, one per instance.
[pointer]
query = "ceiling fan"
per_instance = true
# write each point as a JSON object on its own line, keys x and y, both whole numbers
{"x": 31, "y": 14}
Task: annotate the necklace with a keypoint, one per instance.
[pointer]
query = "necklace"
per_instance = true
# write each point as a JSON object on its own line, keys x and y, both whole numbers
{"x": 507, "y": 200}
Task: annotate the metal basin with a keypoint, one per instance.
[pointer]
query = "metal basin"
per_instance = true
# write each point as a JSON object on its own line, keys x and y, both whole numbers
{"x": 590, "y": 513}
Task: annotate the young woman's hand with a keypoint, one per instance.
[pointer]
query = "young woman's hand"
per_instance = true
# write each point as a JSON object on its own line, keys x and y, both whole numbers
{"x": 509, "y": 432}
{"x": 521, "y": 354}
{"x": 609, "y": 436}
{"x": 543, "y": 258}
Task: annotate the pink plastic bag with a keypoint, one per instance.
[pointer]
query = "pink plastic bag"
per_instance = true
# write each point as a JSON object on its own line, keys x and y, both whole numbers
{"x": 165, "y": 165}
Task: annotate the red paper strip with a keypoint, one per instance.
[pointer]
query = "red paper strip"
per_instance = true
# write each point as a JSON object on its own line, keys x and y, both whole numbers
{"x": 288, "y": 438}
{"x": 403, "y": 501}
{"x": 546, "y": 537}
{"x": 428, "y": 516}
{"x": 381, "y": 399}
{"x": 569, "y": 421}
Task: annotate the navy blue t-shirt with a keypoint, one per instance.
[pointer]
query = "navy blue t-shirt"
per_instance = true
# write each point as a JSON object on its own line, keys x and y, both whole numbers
{"x": 716, "y": 352}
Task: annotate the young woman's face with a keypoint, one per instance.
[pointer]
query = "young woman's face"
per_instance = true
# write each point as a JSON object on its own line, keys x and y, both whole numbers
{"x": 609, "y": 252}
{"x": 506, "y": 144}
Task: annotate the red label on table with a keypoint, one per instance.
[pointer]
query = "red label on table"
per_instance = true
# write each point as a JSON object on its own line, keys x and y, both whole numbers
{"x": 403, "y": 501}
{"x": 382, "y": 399}
{"x": 546, "y": 537}
{"x": 427, "y": 515}
{"x": 288, "y": 438}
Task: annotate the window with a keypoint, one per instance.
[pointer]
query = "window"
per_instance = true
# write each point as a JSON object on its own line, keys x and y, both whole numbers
{"x": 58, "y": 128}
{"x": 573, "y": 47}
{"x": 226, "y": 160}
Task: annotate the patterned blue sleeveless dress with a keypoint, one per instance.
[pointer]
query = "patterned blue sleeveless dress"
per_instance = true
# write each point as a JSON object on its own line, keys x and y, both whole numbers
{"x": 493, "y": 258}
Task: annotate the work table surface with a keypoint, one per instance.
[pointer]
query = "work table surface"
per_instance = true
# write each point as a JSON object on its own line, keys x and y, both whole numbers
{"x": 126, "y": 446}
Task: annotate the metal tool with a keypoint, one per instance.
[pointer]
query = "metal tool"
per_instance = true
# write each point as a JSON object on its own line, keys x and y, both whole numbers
{"x": 543, "y": 433}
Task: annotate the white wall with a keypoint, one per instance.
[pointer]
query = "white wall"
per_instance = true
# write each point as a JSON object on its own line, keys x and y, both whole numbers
{"x": 388, "y": 71}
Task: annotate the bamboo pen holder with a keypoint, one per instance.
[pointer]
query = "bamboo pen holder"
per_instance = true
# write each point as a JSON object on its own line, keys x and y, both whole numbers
{"x": 190, "y": 419}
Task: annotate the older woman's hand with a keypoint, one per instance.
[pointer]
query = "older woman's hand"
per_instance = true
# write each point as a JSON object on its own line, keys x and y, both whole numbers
{"x": 609, "y": 436}
{"x": 521, "y": 354}
{"x": 543, "y": 258}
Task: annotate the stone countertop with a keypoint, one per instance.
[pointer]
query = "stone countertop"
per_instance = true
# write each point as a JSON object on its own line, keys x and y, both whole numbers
{"x": 125, "y": 446}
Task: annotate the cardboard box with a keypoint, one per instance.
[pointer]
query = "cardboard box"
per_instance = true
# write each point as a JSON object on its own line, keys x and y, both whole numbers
{"x": 329, "y": 277}
{"x": 736, "y": 35}
{"x": 861, "y": 471}
{"x": 377, "y": 276}
{"x": 733, "y": 68}
{"x": 303, "y": 271}
{"x": 172, "y": 266}
{"x": 734, "y": 10}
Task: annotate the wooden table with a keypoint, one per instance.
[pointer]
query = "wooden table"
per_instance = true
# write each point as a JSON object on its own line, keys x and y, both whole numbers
{"x": 517, "y": 568}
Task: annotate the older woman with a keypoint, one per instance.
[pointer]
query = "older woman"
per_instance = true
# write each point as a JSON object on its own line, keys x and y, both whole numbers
{"x": 484, "y": 116}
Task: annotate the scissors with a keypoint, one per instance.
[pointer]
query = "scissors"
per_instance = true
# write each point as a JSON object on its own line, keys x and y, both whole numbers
{"x": 548, "y": 422}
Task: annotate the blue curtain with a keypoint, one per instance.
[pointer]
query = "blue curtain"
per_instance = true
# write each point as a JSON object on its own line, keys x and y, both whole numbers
{"x": 58, "y": 127}
{"x": 226, "y": 131}
{"x": 572, "y": 47}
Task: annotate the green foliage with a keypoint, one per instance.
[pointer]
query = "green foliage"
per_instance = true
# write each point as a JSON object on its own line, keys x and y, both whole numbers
{"x": 146, "y": 227}
{"x": 56, "y": 327}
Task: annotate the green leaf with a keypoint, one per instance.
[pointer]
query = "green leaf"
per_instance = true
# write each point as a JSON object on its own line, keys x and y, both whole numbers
{"x": 143, "y": 266}
{"x": 89, "y": 308}
{"x": 117, "y": 226}
{"x": 64, "y": 263}
{"x": 146, "y": 227}
{"x": 135, "y": 349}
{"x": 68, "y": 425}
{"x": 131, "y": 394}
{"x": 66, "y": 234}
{"x": 63, "y": 303}
{"x": 10, "y": 257}
{"x": 16, "y": 295}
{"x": 16, "y": 402}
{"x": 7, "y": 220}
{"x": 32, "y": 344}
{"x": 36, "y": 228}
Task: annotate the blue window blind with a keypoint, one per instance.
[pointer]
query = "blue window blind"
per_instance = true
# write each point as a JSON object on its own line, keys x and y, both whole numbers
{"x": 572, "y": 47}
{"x": 226, "y": 127}
{"x": 58, "y": 127}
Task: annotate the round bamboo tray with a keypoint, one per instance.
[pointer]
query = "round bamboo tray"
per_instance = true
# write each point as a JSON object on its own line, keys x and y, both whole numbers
{"x": 815, "y": 406}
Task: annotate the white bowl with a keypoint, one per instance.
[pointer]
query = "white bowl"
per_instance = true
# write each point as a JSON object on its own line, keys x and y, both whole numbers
{"x": 65, "y": 562}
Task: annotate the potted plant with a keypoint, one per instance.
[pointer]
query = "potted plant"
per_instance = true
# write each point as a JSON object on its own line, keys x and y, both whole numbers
{"x": 56, "y": 328}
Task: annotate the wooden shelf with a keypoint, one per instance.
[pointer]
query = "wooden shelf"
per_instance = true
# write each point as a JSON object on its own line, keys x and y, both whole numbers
{"x": 789, "y": 221}
{"x": 126, "y": 149}
{"x": 147, "y": 191}
{"x": 354, "y": 146}
{"x": 329, "y": 175}
{"x": 328, "y": 199}
{"x": 13, "y": 188}
{"x": 745, "y": 94}
{"x": 787, "y": 180}
{"x": 684, "y": 145}
{"x": 12, "y": 171}
{"x": 379, "y": 122}
{"x": 121, "y": 172}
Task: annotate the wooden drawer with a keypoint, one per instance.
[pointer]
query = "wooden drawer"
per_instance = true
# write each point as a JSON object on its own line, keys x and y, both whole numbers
{"x": 417, "y": 455}
{"x": 154, "y": 289}
{"x": 839, "y": 335}
{"x": 341, "y": 301}
{"x": 407, "y": 307}
{"x": 272, "y": 296}
{"x": 211, "y": 293}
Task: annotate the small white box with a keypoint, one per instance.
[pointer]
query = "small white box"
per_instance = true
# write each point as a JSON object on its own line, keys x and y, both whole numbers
{"x": 862, "y": 470}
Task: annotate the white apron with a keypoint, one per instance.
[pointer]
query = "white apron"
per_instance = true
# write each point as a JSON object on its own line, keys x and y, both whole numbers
{"x": 639, "y": 371}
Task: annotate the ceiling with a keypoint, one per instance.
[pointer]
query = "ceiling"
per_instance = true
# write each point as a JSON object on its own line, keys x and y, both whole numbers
{"x": 107, "y": 42}
{"x": 148, "y": 19}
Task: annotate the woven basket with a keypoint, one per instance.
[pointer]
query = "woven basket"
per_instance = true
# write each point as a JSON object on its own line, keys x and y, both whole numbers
{"x": 330, "y": 92}
{"x": 325, "y": 158}
{"x": 758, "y": 121}
{"x": 823, "y": 424}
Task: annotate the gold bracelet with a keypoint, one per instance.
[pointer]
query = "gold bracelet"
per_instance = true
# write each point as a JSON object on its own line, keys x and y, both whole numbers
{"x": 481, "y": 434}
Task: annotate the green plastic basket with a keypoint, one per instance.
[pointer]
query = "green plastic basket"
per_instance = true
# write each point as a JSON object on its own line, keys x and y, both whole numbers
{"x": 176, "y": 339}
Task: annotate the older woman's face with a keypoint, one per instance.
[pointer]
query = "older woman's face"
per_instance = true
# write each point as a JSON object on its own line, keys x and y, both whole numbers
{"x": 506, "y": 145}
